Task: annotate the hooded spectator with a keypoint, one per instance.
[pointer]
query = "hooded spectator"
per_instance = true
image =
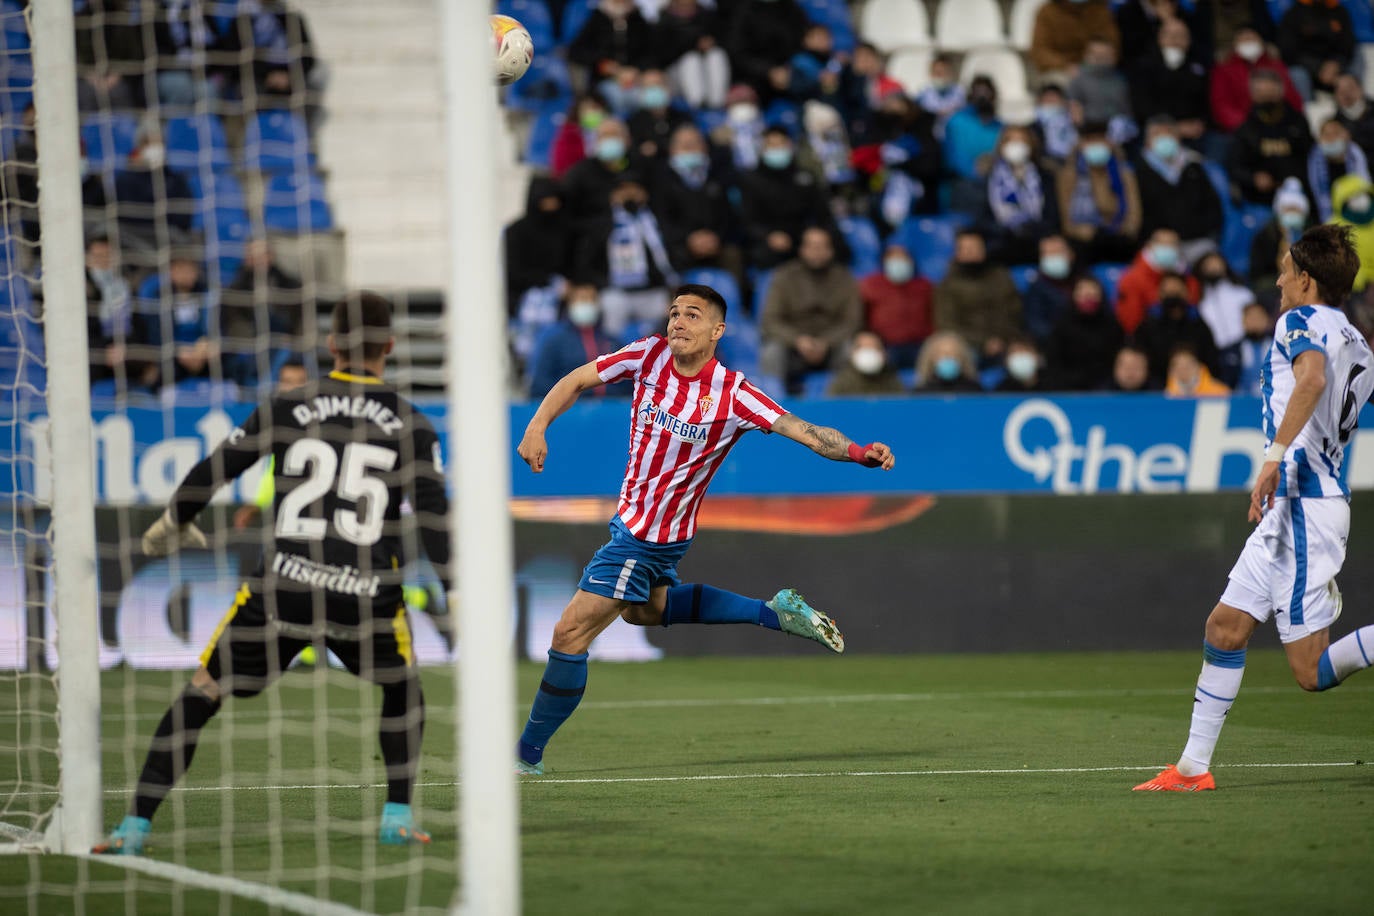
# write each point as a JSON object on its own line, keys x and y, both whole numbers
{"x": 1292, "y": 216}
{"x": 537, "y": 244}
{"x": 1352, "y": 200}
{"x": 1084, "y": 341}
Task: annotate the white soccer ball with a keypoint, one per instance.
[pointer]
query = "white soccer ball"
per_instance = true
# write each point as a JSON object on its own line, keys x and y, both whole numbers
{"x": 512, "y": 49}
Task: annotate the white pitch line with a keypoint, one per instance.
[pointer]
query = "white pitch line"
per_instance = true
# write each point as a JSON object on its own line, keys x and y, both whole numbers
{"x": 290, "y": 901}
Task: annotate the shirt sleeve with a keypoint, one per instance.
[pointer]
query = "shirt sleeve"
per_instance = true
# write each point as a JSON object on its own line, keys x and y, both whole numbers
{"x": 242, "y": 448}
{"x": 625, "y": 362}
{"x": 430, "y": 500}
{"x": 1293, "y": 337}
{"x": 754, "y": 409}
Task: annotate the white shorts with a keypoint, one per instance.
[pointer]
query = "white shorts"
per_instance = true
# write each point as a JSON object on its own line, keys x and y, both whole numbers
{"x": 1289, "y": 565}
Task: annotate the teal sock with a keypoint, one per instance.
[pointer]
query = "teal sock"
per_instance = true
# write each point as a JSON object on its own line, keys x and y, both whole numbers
{"x": 707, "y": 604}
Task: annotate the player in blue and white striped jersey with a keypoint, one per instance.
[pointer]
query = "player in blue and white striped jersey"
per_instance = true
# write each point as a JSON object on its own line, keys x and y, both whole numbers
{"x": 1317, "y": 375}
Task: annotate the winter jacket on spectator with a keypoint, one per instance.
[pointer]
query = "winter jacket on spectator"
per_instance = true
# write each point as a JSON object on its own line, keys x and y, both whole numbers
{"x": 561, "y": 349}
{"x": 1353, "y": 186}
{"x": 1062, "y": 29}
{"x": 1138, "y": 290}
{"x": 674, "y": 36}
{"x": 1230, "y": 89}
{"x": 1139, "y": 28}
{"x": 1178, "y": 195}
{"x": 979, "y": 302}
{"x": 899, "y": 313}
{"x": 1021, "y": 207}
{"x": 1081, "y": 349}
{"x": 1360, "y": 123}
{"x": 601, "y": 46}
{"x": 1323, "y": 173}
{"x": 586, "y": 190}
{"x": 1275, "y": 140}
{"x": 1169, "y": 325}
{"x": 1315, "y": 31}
{"x": 968, "y": 137}
{"x": 764, "y": 34}
{"x": 819, "y": 303}
{"x": 1156, "y": 89}
{"x": 1215, "y": 23}
{"x": 537, "y": 244}
{"x": 849, "y": 382}
{"x": 1045, "y": 301}
{"x": 686, "y": 202}
{"x": 782, "y": 200}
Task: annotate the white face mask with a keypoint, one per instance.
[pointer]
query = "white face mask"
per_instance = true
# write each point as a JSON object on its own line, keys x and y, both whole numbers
{"x": 1354, "y": 112}
{"x": 1021, "y": 366}
{"x": 1250, "y": 50}
{"x": 153, "y": 155}
{"x": 1016, "y": 151}
{"x": 584, "y": 314}
{"x": 868, "y": 360}
{"x": 742, "y": 112}
{"x": 1174, "y": 57}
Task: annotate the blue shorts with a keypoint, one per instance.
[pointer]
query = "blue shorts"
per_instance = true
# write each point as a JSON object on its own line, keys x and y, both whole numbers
{"x": 627, "y": 569}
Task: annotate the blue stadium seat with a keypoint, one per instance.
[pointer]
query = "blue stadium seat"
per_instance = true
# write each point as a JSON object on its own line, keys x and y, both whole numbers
{"x": 815, "y": 384}
{"x": 708, "y": 119}
{"x": 108, "y": 139}
{"x": 196, "y": 141}
{"x": 723, "y": 282}
{"x": 14, "y": 35}
{"x": 216, "y": 192}
{"x": 739, "y": 348}
{"x": 277, "y": 141}
{"x": 866, "y": 248}
{"x": 543, "y": 130}
{"x": 1361, "y": 19}
{"x": 1109, "y": 275}
{"x": 547, "y": 85}
{"x": 535, "y": 17}
{"x": 834, "y": 14}
{"x": 930, "y": 239}
{"x": 575, "y": 15}
{"x": 1242, "y": 224}
{"x": 1023, "y": 275}
{"x": 783, "y": 113}
{"x": 296, "y": 204}
{"x": 760, "y": 279}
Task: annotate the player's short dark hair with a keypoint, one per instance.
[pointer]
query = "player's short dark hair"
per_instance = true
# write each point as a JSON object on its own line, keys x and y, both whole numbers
{"x": 361, "y": 325}
{"x": 702, "y": 291}
{"x": 1327, "y": 254}
{"x": 293, "y": 362}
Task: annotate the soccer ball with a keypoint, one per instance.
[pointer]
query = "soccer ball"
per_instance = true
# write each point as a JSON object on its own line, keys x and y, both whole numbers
{"x": 512, "y": 49}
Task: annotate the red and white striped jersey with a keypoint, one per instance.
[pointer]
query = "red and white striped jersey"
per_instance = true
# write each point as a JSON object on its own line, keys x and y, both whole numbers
{"x": 680, "y": 432}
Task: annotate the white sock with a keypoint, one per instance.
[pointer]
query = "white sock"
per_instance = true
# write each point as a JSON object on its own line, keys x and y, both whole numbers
{"x": 1352, "y": 652}
{"x": 1217, "y": 687}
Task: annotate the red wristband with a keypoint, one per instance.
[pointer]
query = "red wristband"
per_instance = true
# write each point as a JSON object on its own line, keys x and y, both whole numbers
{"x": 859, "y": 455}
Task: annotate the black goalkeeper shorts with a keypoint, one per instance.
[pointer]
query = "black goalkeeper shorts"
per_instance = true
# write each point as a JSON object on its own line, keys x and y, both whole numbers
{"x": 247, "y": 651}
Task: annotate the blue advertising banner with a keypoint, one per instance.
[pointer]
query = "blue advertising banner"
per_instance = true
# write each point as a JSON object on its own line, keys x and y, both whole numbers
{"x": 976, "y": 444}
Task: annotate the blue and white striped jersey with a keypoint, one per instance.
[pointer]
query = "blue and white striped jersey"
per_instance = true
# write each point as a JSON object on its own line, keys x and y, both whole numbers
{"x": 1312, "y": 465}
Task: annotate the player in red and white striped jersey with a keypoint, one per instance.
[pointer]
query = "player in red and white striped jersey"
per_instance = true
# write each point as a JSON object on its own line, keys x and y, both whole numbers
{"x": 689, "y": 410}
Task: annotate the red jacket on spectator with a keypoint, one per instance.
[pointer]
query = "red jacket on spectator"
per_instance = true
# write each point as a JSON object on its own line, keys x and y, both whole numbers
{"x": 1139, "y": 290}
{"x": 568, "y": 148}
{"x": 899, "y": 314}
{"x": 1230, "y": 89}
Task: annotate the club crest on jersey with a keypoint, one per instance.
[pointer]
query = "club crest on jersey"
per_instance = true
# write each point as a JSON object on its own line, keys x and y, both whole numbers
{"x": 706, "y": 404}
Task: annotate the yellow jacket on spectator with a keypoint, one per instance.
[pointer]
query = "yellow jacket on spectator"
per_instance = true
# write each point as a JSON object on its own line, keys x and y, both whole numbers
{"x": 1347, "y": 195}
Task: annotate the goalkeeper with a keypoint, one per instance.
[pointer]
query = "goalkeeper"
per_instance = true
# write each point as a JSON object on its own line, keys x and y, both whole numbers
{"x": 345, "y": 452}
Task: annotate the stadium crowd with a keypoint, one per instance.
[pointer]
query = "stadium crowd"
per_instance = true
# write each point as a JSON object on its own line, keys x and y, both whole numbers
{"x": 1117, "y": 229}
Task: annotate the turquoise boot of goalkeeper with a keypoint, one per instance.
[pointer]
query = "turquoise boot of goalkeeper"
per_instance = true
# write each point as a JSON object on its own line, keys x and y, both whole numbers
{"x": 127, "y": 839}
{"x": 398, "y": 826}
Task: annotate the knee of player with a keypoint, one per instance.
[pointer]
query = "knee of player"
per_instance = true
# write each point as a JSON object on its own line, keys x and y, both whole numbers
{"x": 1307, "y": 680}
{"x": 1223, "y": 632}
{"x": 642, "y": 615}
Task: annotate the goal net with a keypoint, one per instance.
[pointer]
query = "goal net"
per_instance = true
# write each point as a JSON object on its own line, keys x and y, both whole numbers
{"x": 211, "y": 263}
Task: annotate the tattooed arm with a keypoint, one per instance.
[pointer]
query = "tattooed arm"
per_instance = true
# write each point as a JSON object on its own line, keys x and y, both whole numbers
{"x": 833, "y": 444}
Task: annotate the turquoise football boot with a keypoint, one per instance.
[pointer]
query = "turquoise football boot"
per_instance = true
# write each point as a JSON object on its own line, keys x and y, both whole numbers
{"x": 801, "y": 619}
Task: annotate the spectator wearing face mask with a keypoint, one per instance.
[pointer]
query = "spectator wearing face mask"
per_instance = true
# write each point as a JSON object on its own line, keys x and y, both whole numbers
{"x": 1354, "y": 112}
{"x": 1230, "y": 82}
{"x": 742, "y": 130}
{"x": 1315, "y": 35}
{"x": 1050, "y": 294}
{"x": 1023, "y": 367}
{"x": 1217, "y": 23}
{"x": 1139, "y": 285}
{"x": 152, "y": 203}
{"x": 778, "y": 201}
{"x": 1099, "y": 201}
{"x": 1175, "y": 192}
{"x": 1140, "y": 22}
{"x": 576, "y": 339}
{"x": 1061, "y": 34}
{"x": 112, "y": 326}
{"x": 1054, "y": 125}
{"x": 815, "y": 68}
{"x": 692, "y": 204}
{"x": 811, "y": 312}
{"x": 586, "y": 188}
{"x": 624, "y": 253}
{"x": 946, "y": 366}
{"x": 942, "y": 95}
{"x": 1291, "y": 218}
{"x": 1331, "y": 159}
{"x": 868, "y": 372}
{"x": 1020, "y": 202}
{"x": 615, "y": 43}
{"x": 863, "y": 83}
{"x": 824, "y": 149}
{"x": 1084, "y": 341}
{"x": 1168, "y": 80}
{"x": 970, "y": 138}
{"x": 901, "y": 162}
{"x": 897, "y": 305}
{"x": 1352, "y": 199}
{"x": 1222, "y": 306}
{"x": 1130, "y": 371}
{"x": 977, "y": 299}
{"x": 1271, "y": 144}
{"x": 577, "y": 134}
{"x": 537, "y": 245}
{"x": 1254, "y": 348}
{"x": 1099, "y": 92}
{"x": 1189, "y": 378}
{"x": 656, "y": 119}
{"x": 1173, "y": 322}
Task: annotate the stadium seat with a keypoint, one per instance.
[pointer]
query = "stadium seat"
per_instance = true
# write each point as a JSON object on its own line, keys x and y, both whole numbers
{"x": 911, "y": 68}
{"x": 930, "y": 239}
{"x": 739, "y": 348}
{"x": 575, "y": 15}
{"x": 1242, "y": 225}
{"x": 215, "y": 191}
{"x": 964, "y": 24}
{"x": 723, "y": 282}
{"x": 1361, "y": 19}
{"x": 546, "y": 85}
{"x": 1021, "y": 22}
{"x": 816, "y": 384}
{"x": 783, "y": 113}
{"x": 196, "y": 141}
{"x": 534, "y": 16}
{"x": 894, "y": 24}
{"x": 108, "y": 140}
{"x": 865, "y": 247}
{"x": 1023, "y": 275}
{"x": 1109, "y": 275}
{"x": 277, "y": 141}
{"x": 296, "y": 204}
{"x": 14, "y": 36}
{"x": 834, "y": 15}
{"x": 543, "y": 129}
{"x": 1007, "y": 70}
{"x": 761, "y": 279}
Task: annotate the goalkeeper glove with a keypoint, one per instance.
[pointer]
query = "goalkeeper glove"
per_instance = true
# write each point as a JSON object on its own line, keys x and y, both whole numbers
{"x": 165, "y": 536}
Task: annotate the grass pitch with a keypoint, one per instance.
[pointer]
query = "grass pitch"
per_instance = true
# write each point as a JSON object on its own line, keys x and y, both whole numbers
{"x": 946, "y": 784}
